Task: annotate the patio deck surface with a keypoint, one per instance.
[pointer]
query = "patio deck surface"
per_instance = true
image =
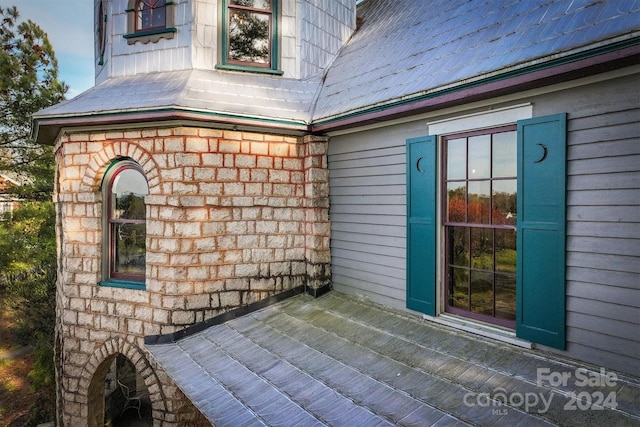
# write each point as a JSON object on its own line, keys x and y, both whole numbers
{"x": 341, "y": 361}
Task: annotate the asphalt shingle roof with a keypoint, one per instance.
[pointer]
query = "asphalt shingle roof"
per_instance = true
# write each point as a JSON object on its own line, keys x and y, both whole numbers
{"x": 340, "y": 361}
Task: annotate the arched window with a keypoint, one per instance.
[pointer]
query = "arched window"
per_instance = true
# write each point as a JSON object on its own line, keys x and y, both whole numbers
{"x": 101, "y": 32}
{"x": 124, "y": 189}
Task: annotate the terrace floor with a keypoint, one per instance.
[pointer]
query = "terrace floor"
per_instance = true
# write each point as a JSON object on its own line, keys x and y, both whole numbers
{"x": 341, "y": 361}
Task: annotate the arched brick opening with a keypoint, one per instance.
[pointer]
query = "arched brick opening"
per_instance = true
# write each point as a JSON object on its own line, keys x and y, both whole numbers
{"x": 101, "y": 161}
{"x": 94, "y": 376}
{"x": 96, "y": 394}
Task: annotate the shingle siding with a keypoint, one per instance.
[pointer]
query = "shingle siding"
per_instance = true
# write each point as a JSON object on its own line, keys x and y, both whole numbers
{"x": 165, "y": 55}
{"x": 326, "y": 25}
{"x": 367, "y": 179}
{"x": 311, "y": 35}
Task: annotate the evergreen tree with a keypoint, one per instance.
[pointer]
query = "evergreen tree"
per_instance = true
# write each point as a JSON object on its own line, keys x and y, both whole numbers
{"x": 28, "y": 83}
{"x": 249, "y": 32}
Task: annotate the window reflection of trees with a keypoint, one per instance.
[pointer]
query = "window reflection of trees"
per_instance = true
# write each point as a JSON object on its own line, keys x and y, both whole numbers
{"x": 480, "y": 221}
{"x": 130, "y": 237}
{"x": 130, "y": 248}
{"x": 249, "y": 31}
{"x": 130, "y": 206}
{"x": 499, "y": 208}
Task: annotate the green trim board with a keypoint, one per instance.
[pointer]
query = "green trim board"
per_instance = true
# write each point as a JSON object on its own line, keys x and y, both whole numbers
{"x": 189, "y": 111}
{"x": 125, "y": 284}
{"x": 249, "y": 69}
{"x": 53, "y": 124}
{"x": 150, "y": 33}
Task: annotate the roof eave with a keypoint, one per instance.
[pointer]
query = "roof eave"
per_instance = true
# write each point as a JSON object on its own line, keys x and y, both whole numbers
{"x": 46, "y": 128}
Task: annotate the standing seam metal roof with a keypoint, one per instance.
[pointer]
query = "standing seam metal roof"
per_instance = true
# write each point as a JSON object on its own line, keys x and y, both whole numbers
{"x": 222, "y": 92}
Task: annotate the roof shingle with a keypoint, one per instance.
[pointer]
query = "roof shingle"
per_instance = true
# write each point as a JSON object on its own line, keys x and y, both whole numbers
{"x": 405, "y": 48}
{"x": 340, "y": 361}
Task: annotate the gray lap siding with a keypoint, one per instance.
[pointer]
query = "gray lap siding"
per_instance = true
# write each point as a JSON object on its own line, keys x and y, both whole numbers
{"x": 368, "y": 213}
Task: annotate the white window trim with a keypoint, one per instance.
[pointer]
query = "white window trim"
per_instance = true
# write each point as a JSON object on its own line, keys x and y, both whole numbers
{"x": 481, "y": 120}
{"x": 466, "y": 123}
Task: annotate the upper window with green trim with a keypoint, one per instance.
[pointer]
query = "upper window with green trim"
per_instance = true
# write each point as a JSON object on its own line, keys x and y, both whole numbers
{"x": 250, "y": 35}
{"x": 149, "y": 20}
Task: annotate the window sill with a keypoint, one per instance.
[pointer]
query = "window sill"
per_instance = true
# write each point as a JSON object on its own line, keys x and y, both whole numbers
{"x": 150, "y": 36}
{"x": 478, "y": 328}
{"x": 249, "y": 69}
{"x": 125, "y": 284}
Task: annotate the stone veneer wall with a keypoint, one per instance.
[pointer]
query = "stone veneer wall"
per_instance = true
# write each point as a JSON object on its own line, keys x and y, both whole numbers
{"x": 232, "y": 218}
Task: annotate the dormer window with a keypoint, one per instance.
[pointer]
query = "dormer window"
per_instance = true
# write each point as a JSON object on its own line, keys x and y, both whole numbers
{"x": 149, "y": 20}
{"x": 250, "y": 36}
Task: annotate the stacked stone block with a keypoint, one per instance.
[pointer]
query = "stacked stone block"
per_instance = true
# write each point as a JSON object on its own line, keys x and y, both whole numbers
{"x": 232, "y": 218}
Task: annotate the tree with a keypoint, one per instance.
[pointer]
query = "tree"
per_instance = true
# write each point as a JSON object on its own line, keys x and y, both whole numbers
{"x": 249, "y": 32}
{"x": 28, "y": 83}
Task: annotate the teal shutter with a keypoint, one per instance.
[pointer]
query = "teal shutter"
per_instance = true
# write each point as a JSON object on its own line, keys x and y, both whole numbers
{"x": 540, "y": 289}
{"x": 421, "y": 224}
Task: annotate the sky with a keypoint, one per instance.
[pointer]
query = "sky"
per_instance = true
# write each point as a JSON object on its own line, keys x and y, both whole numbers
{"x": 69, "y": 24}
